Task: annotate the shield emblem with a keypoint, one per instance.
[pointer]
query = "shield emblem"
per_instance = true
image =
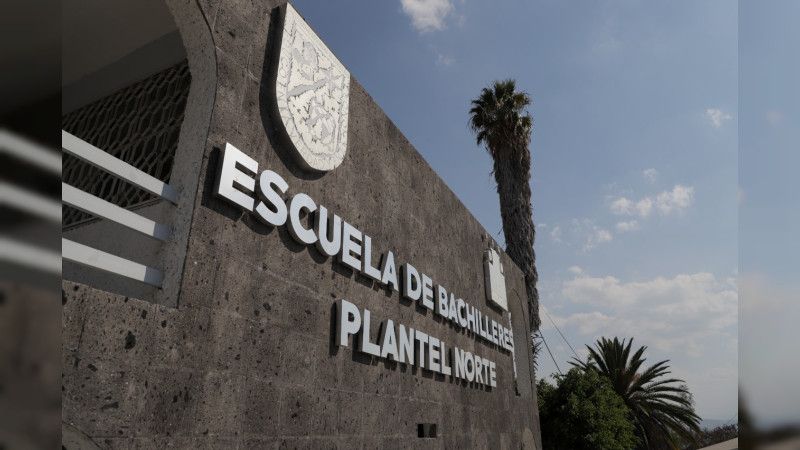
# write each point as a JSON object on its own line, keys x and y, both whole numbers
{"x": 313, "y": 94}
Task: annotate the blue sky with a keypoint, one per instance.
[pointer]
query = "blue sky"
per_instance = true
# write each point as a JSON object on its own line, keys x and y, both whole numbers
{"x": 635, "y": 167}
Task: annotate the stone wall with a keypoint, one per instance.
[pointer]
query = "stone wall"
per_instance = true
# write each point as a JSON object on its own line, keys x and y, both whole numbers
{"x": 247, "y": 358}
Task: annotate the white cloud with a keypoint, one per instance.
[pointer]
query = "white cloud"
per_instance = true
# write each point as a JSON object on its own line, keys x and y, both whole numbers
{"x": 622, "y": 206}
{"x": 427, "y": 15}
{"x": 644, "y": 206}
{"x": 651, "y": 175}
{"x": 632, "y": 225}
{"x": 602, "y": 235}
{"x": 555, "y": 234}
{"x": 625, "y": 207}
{"x": 667, "y": 314}
{"x": 589, "y": 323}
{"x": 717, "y": 116}
{"x": 678, "y": 199}
{"x": 590, "y": 233}
{"x": 444, "y": 60}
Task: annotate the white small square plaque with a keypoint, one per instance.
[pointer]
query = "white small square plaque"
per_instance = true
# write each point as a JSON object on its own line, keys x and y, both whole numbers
{"x": 495, "y": 279}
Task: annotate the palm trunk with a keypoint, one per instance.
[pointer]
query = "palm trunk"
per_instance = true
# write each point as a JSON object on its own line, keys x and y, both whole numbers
{"x": 512, "y": 171}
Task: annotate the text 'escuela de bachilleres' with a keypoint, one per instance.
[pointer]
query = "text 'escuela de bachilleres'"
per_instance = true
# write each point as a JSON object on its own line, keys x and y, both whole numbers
{"x": 239, "y": 182}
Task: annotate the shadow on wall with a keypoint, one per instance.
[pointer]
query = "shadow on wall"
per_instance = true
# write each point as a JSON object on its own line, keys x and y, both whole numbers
{"x": 522, "y": 357}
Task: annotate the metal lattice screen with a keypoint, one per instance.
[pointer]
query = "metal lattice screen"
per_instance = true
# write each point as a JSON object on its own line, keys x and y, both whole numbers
{"x": 138, "y": 124}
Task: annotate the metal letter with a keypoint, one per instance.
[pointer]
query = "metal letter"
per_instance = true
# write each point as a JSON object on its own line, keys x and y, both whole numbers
{"x": 351, "y": 243}
{"x": 406, "y": 345}
{"x": 452, "y": 314}
{"x": 471, "y": 319}
{"x": 481, "y": 330}
{"x": 412, "y": 288}
{"x": 297, "y": 204}
{"x": 388, "y": 271}
{"x": 433, "y": 354}
{"x": 462, "y": 316}
{"x": 460, "y": 363}
{"x": 469, "y": 365}
{"x": 446, "y": 370}
{"x": 427, "y": 292}
{"x": 327, "y": 246}
{"x": 422, "y": 338}
{"x": 230, "y": 175}
{"x": 441, "y": 303}
{"x": 275, "y": 213}
{"x": 349, "y": 321}
{"x": 367, "y": 268}
{"x": 365, "y": 345}
{"x": 389, "y": 341}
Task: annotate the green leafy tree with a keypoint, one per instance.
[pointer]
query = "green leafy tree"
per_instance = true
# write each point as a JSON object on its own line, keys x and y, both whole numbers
{"x": 662, "y": 407}
{"x": 500, "y": 119}
{"x": 583, "y": 412}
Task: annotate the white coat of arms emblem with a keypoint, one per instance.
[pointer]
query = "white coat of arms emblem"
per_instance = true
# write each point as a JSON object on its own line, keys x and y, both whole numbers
{"x": 313, "y": 94}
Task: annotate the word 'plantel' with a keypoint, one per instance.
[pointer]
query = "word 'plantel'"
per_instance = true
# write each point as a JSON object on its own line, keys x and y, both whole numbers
{"x": 410, "y": 347}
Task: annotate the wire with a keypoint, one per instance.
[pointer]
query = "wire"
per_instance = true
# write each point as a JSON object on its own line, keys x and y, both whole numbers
{"x": 562, "y": 335}
{"x": 551, "y": 353}
{"x": 729, "y": 420}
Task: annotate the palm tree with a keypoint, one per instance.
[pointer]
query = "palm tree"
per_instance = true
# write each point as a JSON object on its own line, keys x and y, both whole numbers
{"x": 662, "y": 408}
{"x": 501, "y": 121}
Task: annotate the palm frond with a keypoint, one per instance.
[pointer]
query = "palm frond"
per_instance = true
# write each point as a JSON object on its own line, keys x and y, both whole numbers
{"x": 662, "y": 406}
{"x": 500, "y": 119}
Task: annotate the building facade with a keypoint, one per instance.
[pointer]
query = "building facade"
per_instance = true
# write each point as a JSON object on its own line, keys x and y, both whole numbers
{"x": 258, "y": 257}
